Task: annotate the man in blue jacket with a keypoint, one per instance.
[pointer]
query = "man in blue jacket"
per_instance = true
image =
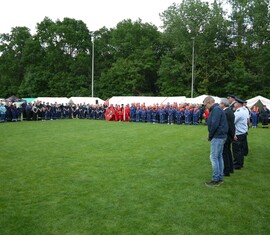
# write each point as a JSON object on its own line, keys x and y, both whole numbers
{"x": 217, "y": 134}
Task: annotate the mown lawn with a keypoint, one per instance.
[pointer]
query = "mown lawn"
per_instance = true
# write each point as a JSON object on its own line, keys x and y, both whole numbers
{"x": 97, "y": 177}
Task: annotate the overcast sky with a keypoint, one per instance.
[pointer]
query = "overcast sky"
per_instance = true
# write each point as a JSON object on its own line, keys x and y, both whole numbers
{"x": 95, "y": 13}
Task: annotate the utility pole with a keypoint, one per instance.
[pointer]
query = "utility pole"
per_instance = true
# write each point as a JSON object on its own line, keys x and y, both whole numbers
{"x": 192, "y": 80}
{"x": 93, "y": 61}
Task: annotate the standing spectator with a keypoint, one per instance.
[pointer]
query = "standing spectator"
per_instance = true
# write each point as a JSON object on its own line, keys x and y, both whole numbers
{"x": 28, "y": 111}
{"x": 232, "y": 101}
{"x": 2, "y": 112}
{"x": 241, "y": 129}
{"x": 247, "y": 112}
{"x": 196, "y": 115}
{"x": 8, "y": 112}
{"x": 217, "y": 129}
{"x": 206, "y": 115}
{"x": 265, "y": 116}
{"x": 227, "y": 153}
{"x": 24, "y": 104}
{"x": 254, "y": 116}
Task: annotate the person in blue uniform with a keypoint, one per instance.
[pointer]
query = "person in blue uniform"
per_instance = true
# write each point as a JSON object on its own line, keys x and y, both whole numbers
{"x": 28, "y": 111}
{"x": 265, "y": 116}
{"x": 196, "y": 115}
{"x": 8, "y": 112}
{"x": 132, "y": 112}
{"x": 170, "y": 112}
{"x": 161, "y": 113}
{"x": 154, "y": 115}
{"x": 143, "y": 114}
{"x": 3, "y": 112}
{"x": 254, "y": 117}
{"x": 187, "y": 115}
{"x": 149, "y": 114}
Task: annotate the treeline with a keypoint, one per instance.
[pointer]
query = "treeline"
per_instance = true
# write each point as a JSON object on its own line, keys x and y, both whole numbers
{"x": 231, "y": 54}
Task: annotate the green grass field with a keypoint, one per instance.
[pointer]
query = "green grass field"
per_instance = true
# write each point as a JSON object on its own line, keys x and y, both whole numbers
{"x": 97, "y": 177}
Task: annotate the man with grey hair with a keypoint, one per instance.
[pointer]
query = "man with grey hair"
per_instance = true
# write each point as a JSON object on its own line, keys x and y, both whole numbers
{"x": 217, "y": 134}
{"x": 227, "y": 153}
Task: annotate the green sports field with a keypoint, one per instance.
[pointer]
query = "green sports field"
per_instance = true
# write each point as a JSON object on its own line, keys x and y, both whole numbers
{"x": 98, "y": 177}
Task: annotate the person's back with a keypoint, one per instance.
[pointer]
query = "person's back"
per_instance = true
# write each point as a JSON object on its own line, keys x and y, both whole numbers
{"x": 217, "y": 123}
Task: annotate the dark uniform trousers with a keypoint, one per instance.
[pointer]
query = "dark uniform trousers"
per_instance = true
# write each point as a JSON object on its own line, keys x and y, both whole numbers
{"x": 238, "y": 151}
{"x": 246, "y": 146}
{"x": 227, "y": 158}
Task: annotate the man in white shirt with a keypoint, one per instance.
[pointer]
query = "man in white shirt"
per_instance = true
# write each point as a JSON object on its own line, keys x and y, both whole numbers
{"x": 241, "y": 129}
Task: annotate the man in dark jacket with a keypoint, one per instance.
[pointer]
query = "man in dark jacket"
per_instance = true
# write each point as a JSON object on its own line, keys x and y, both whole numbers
{"x": 227, "y": 153}
{"x": 217, "y": 129}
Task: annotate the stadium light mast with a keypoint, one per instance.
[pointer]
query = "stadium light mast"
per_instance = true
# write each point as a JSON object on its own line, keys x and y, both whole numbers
{"x": 93, "y": 61}
{"x": 192, "y": 79}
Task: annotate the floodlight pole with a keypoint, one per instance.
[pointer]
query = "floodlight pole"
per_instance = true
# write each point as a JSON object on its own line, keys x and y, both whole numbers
{"x": 192, "y": 80}
{"x": 93, "y": 60}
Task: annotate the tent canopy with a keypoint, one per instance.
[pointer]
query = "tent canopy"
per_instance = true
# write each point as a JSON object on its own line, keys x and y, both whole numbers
{"x": 258, "y": 101}
{"x": 200, "y": 99}
{"x": 29, "y": 100}
{"x": 150, "y": 100}
{"x": 147, "y": 100}
{"x": 13, "y": 98}
{"x": 52, "y": 100}
{"x": 85, "y": 100}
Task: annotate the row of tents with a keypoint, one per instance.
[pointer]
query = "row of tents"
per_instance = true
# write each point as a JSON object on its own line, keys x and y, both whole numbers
{"x": 147, "y": 100}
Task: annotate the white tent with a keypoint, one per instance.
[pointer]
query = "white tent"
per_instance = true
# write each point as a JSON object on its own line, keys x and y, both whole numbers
{"x": 150, "y": 100}
{"x": 52, "y": 100}
{"x": 147, "y": 100}
{"x": 200, "y": 99}
{"x": 175, "y": 99}
{"x": 85, "y": 100}
{"x": 256, "y": 100}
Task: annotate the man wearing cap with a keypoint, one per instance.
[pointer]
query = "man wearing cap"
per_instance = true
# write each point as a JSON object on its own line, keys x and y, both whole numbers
{"x": 227, "y": 153}
{"x": 232, "y": 101}
{"x": 241, "y": 128}
{"x": 217, "y": 134}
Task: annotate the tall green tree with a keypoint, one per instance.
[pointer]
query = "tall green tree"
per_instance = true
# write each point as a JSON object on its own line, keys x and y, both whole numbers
{"x": 13, "y": 61}
{"x": 135, "y": 49}
{"x": 250, "y": 24}
{"x": 206, "y": 26}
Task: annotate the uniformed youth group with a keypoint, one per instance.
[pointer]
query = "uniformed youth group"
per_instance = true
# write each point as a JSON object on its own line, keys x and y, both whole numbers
{"x": 228, "y": 125}
{"x": 50, "y": 111}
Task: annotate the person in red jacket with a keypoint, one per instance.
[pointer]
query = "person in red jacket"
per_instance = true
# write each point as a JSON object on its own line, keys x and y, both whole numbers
{"x": 206, "y": 115}
{"x": 127, "y": 113}
{"x": 110, "y": 113}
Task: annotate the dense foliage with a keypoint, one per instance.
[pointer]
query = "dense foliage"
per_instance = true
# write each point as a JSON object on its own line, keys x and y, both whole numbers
{"x": 232, "y": 54}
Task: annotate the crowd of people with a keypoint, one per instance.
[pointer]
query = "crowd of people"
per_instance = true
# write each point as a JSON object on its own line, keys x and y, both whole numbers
{"x": 228, "y": 125}
{"x": 188, "y": 114}
{"x": 43, "y": 111}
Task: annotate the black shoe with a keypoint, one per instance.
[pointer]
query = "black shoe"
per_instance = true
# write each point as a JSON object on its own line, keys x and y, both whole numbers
{"x": 221, "y": 181}
{"x": 237, "y": 167}
{"x": 212, "y": 183}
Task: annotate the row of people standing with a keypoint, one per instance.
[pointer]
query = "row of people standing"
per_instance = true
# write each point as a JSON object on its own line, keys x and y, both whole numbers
{"x": 188, "y": 114}
{"x": 256, "y": 114}
{"x": 10, "y": 112}
{"x": 228, "y": 126}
